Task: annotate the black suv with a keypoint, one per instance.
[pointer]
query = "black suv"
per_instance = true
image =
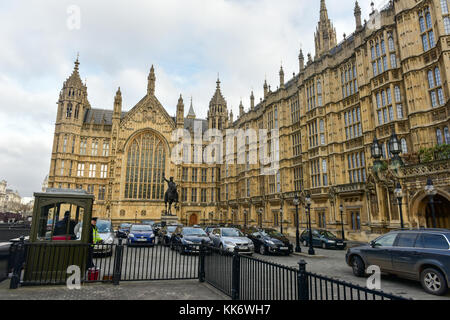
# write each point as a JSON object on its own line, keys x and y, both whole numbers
{"x": 422, "y": 255}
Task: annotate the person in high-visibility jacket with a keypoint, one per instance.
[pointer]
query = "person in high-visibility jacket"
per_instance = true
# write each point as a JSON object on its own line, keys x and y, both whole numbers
{"x": 94, "y": 238}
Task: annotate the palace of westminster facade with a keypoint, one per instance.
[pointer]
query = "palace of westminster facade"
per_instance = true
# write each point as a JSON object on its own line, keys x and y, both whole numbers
{"x": 389, "y": 75}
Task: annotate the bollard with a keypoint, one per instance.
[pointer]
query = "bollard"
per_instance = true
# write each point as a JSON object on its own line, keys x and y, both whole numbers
{"x": 302, "y": 281}
{"x": 235, "y": 274}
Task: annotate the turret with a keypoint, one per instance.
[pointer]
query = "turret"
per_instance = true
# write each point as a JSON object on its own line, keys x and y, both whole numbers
{"x": 217, "y": 113}
{"x": 241, "y": 109}
{"x": 252, "y": 101}
{"x": 281, "y": 78}
{"x": 301, "y": 61}
{"x": 358, "y": 16}
{"x": 325, "y": 36}
{"x": 117, "y": 104}
{"x": 180, "y": 113}
{"x": 266, "y": 89}
{"x": 151, "y": 82}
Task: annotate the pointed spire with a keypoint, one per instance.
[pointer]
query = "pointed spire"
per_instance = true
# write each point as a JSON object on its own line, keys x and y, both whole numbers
{"x": 231, "y": 116}
{"x": 191, "y": 113}
{"x": 252, "y": 101}
{"x": 77, "y": 63}
{"x": 218, "y": 82}
{"x": 151, "y": 82}
{"x": 281, "y": 77}
{"x": 323, "y": 11}
{"x": 301, "y": 60}
{"x": 358, "y": 16}
{"x": 118, "y": 103}
{"x": 241, "y": 109}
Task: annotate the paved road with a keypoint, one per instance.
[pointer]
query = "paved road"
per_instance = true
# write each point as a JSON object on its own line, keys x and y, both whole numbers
{"x": 331, "y": 263}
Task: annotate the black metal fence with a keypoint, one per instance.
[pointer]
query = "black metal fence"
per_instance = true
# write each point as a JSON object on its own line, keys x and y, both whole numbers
{"x": 238, "y": 276}
{"x": 246, "y": 278}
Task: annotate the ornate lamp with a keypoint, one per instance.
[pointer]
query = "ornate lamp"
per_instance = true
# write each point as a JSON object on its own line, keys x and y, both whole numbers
{"x": 308, "y": 208}
{"x": 395, "y": 149}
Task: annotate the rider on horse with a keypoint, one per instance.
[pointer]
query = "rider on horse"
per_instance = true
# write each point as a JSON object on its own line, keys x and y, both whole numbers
{"x": 171, "y": 194}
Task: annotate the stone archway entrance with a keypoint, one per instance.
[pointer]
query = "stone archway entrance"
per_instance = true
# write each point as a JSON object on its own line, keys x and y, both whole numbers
{"x": 442, "y": 212}
{"x": 193, "y": 219}
{"x": 441, "y": 209}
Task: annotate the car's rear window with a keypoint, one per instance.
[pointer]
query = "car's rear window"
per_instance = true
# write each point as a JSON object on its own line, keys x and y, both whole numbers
{"x": 432, "y": 241}
{"x": 406, "y": 240}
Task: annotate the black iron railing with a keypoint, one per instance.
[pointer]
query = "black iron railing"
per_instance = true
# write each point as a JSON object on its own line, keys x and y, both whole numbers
{"x": 239, "y": 276}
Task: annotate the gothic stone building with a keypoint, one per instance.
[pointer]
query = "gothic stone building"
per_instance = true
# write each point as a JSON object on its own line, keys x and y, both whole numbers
{"x": 389, "y": 75}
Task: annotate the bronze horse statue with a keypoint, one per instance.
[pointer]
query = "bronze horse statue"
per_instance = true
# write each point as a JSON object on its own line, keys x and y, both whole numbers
{"x": 171, "y": 195}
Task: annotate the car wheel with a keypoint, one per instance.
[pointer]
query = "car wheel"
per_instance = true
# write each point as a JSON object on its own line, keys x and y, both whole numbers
{"x": 358, "y": 266}
{"x": 324, "y": 245}
{"x": 262, "y": 250}
{"x": 433, "y": 281}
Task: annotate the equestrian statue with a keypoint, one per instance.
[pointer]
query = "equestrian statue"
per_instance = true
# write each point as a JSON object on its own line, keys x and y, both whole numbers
{"x": 171, "y": 195}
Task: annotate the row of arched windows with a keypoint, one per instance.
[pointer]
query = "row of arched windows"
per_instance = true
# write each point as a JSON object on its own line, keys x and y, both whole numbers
{"x": 69, "y": 111}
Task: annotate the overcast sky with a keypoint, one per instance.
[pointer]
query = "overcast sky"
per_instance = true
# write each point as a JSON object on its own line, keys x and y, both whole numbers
{"x": 188, "y": 41}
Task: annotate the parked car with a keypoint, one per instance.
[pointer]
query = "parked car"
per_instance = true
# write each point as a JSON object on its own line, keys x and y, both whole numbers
{"x": 229, "y": 238}
{"x": 268, "y": 240}
{"x": 141, "y": 234}
{"x": 422, "y": 255}
{"x": 323, "y": 238}
{"x": 166, "y": 234}
{"x": 209, "y": 229}
{"x": 188, "y": 239}
{"x": 148, "y": 222}
{"x": 123, "y": 230}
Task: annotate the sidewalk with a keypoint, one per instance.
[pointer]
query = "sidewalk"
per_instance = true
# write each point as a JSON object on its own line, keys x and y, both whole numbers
{"x": 149, "y": 290}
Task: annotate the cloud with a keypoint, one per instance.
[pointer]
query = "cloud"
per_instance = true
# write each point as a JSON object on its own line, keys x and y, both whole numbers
{"x": 188, "y": 41}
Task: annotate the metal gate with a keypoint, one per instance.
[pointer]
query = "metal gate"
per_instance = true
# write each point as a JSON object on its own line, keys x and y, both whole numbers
{"x": 47, "y": 263}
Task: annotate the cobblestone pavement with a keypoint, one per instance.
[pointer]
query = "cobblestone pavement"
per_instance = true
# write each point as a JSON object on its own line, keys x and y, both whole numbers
{"x": 331, "y": 263}
{"x": 152, "y": 290}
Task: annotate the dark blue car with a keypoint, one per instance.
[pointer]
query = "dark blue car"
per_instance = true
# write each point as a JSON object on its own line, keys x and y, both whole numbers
{"x": 141, "y": 234}
{"x": 422, "y": 255}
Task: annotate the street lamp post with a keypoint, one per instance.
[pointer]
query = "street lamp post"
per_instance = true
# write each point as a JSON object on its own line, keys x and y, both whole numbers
{"x": 297, "y": 233}
{"x": 395, "y": 149}
{"x": 341, "y": 209}
{"x": 431, "y": 192}
{"x": 399, "y": 195}
{"x": 308, "y": 207}
{"x": 281, "y": 218}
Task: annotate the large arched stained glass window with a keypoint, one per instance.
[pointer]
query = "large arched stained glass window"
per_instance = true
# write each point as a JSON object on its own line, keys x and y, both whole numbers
{"x": 146, "y": 158}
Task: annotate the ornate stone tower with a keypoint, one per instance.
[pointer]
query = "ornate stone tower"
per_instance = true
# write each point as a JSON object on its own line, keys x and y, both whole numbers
{"x": 325, "y": 36}
{"x": 180, "y": 113}
{"x": 217, "y": 113}
{"x": 151, "y": 82}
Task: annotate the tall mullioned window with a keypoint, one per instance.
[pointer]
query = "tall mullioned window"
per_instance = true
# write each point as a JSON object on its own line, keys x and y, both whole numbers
{"x": 378, "y": 56}
{"x": 385, "y": 108}
{"x": 435, "y": 87}
{"x": 426, "y": 29}
{"x": 296, "y": 144}
{"x": 445, "y": 16}
{"x": 352, "y": 121}
{"x": 315, "y": 174}
{"x": 83, "y": 144}
{"x": 398, "y": 102}
{"x": 295, "y": 110}
{"x": 313, "y": 137}
{"x": 392, "y": 54}
{"x": 311, "y": 95}
{"x": 356, "y": 167}
{"x": 146, "y": 161}
{"x": 349, "y": 82}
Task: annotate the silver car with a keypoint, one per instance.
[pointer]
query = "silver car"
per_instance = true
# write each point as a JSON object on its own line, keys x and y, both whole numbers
{"x": 105, "y": 232}
{"x": 229, "y": 238}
